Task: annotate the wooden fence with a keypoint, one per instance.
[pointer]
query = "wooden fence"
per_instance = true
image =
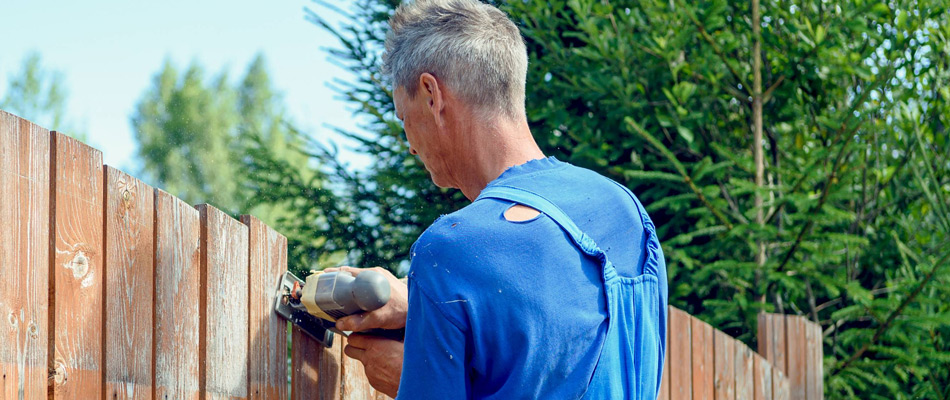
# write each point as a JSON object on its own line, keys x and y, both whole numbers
{"x": 112, "y": 289}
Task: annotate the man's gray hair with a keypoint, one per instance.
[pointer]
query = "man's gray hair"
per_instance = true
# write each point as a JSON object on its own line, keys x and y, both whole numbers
{"x": 470, "y": 46}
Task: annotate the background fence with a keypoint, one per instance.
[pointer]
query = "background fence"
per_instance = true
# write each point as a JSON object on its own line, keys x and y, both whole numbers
{"x": 112, "y": 289}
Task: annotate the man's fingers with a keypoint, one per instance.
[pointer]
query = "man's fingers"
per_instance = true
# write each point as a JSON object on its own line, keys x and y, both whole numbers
{"x": 361, "y": 341}
{"x": 360, "y": 322}
{"x": 354, "y": 352}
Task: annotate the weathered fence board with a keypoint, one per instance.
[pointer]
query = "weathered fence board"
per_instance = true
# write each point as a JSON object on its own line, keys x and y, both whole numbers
{"x": 315, "y": 369}
{"x": 129, "y": 284}
{"x": 24, "y": 258}
{"x": 681, "y": 377}
{"x": 762, "y": 376}
{"x": 76, "y": 272}
{"x": 267, "y": 358}
{"x": 780, "y": 385}
{"x": 224, "y": 265}
{"x": 796, "y": 358}
{"x": 664, "y": 393}
{"x": 745, "y": 382}
{"x": 177, "y": 277}
{"x": 703, "y": 359}
{"x": 813, "y": 359}
{"x": 772, "y": 340}
{"x": 725, "y": 366}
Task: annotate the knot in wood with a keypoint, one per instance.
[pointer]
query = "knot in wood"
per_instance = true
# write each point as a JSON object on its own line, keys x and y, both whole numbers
{"x": 79, "y": 264}
{"x": 33, "y": 331}
{"x": 13, "y": 321}
{"x": 126, "y": 195}
{"x": 59, "y": 373}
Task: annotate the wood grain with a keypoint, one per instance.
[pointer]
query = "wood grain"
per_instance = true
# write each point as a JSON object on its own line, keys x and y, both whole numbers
{"x": 703, "y": 359}
{"x": 177, "y": 276}
{"x": 24, "y": 258}
{"x": 267, "y": 369}
{"x": 355, "y": 385}
{"x": 129, "y": 286}
{"x": 76, "y": 271}
{"x": 762, "y": 378}
{"x": 795, "y": 336}
{"x": 725, "y": 366}
{"x": 772, "y": 340}
{"x": 814, "y": 377}
{"x": 315, "y": 369}
{"x": 762, "y": 335}
{"x": 681, "y": 376}
{"x": 224, "y": 329}
{"x": 780, "y": 385}
{"x": 664, "y": 393}
{"x": 778, "y": 347}
{"x": 745, "y": 381}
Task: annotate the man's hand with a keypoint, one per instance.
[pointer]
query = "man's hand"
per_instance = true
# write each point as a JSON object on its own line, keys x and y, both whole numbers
{"x": 381, "y": 358}
{"x": 390, "y": 316}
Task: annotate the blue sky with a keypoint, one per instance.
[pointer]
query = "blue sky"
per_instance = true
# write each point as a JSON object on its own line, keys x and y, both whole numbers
{"x": 109, "y": 51}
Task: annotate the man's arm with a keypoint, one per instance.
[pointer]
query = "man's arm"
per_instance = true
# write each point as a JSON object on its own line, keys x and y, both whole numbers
{"x": 433, "y": 364}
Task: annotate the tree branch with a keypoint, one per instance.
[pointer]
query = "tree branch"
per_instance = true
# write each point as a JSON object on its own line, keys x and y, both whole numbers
{"x": 679, "y": 168}
{"x": 890, "y": 318}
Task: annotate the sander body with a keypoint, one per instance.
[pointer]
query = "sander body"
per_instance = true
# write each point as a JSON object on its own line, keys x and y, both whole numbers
{"x": 316, "y": 304}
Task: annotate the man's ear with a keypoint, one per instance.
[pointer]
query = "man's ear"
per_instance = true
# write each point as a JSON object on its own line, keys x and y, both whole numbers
{"x": 430, "y": 88}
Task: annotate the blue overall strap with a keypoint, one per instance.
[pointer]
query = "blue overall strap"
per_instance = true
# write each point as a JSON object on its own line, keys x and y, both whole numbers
{"x": 545, "y": 206}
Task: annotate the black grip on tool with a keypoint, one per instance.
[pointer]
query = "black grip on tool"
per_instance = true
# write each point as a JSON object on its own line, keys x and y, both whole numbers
{"x": 394, "y": 334}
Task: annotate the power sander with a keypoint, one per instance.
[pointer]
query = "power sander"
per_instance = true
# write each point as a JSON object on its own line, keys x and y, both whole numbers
{"x": 316, "y": 304}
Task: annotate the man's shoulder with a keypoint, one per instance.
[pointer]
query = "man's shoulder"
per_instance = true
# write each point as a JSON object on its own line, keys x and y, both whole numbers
{"x": 462, "y": 234}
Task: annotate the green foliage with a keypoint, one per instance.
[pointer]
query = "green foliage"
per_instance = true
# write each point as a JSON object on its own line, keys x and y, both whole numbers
{"x": 211, "y": 141}
{"x": 659, "y": 95}
{"x": 39, "y": 95}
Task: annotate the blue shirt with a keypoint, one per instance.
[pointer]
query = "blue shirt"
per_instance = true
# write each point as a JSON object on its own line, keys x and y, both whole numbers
{"x": 501, "y": 309}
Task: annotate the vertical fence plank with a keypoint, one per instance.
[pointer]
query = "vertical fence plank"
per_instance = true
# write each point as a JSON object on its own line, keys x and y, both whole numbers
{"x": 315, "y": 369}
{"x": 725, "y": 366}
{"x": 177, "y": 274}
{"x": 224, "y": 310}
{"x": 665, "y": 380}
{"x": 762, "y": 377}
{"x": 778, "y": 338}
{"x": 795, "y": 339}
{"x": 355, "y": 384}
{"x": 24, "y": 257}
{"x": 813, "y": 359}
{"x": 702, "y": 359}
{"x": 267, "y": 369}
{"x": 129, "y": 283}
{"x": 680, "y": 355}
{"x": 745, "y": 383}
{"x": 76, "y": 272}
{"x": 771, "y": 338}
{"x": 780, "y": 385}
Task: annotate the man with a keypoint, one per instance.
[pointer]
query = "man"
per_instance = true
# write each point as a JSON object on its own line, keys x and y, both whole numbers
{"x": 551, "y": 284}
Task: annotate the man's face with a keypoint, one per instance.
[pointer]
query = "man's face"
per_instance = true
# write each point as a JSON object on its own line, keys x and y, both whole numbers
{"x": 424, "y": 136}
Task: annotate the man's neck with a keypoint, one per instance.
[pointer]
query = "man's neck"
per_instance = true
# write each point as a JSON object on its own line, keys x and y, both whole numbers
{"x": 494, "y": 147}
